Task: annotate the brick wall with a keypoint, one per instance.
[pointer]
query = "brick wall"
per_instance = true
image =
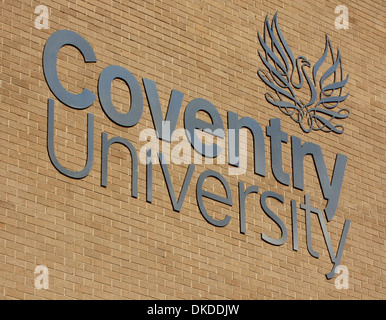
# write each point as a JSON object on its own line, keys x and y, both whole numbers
{"x": 99, "y": 242}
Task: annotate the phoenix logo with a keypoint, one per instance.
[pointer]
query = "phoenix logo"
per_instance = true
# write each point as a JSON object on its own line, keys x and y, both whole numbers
{"x": 286, "y": 76}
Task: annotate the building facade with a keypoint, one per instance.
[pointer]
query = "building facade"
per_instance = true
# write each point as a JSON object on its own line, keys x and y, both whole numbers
{"x": 192, "y": 149}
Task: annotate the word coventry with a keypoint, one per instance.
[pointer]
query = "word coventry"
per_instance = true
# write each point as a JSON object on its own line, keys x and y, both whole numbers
{"x": 331, "y": 188}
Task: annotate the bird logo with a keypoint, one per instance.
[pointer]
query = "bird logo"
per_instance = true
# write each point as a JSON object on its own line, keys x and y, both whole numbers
{"x": 319, "y": 108}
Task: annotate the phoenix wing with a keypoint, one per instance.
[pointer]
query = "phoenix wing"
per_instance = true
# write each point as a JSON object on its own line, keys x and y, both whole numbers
{"x": 331, "y": 85}
{"x": 280, "y": 63}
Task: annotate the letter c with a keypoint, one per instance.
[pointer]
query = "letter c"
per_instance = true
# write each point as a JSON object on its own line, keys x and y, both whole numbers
{"x": 50, "y": 55}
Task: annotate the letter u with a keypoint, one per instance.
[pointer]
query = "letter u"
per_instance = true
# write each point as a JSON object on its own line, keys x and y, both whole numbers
{"x": 90, "y": 145}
